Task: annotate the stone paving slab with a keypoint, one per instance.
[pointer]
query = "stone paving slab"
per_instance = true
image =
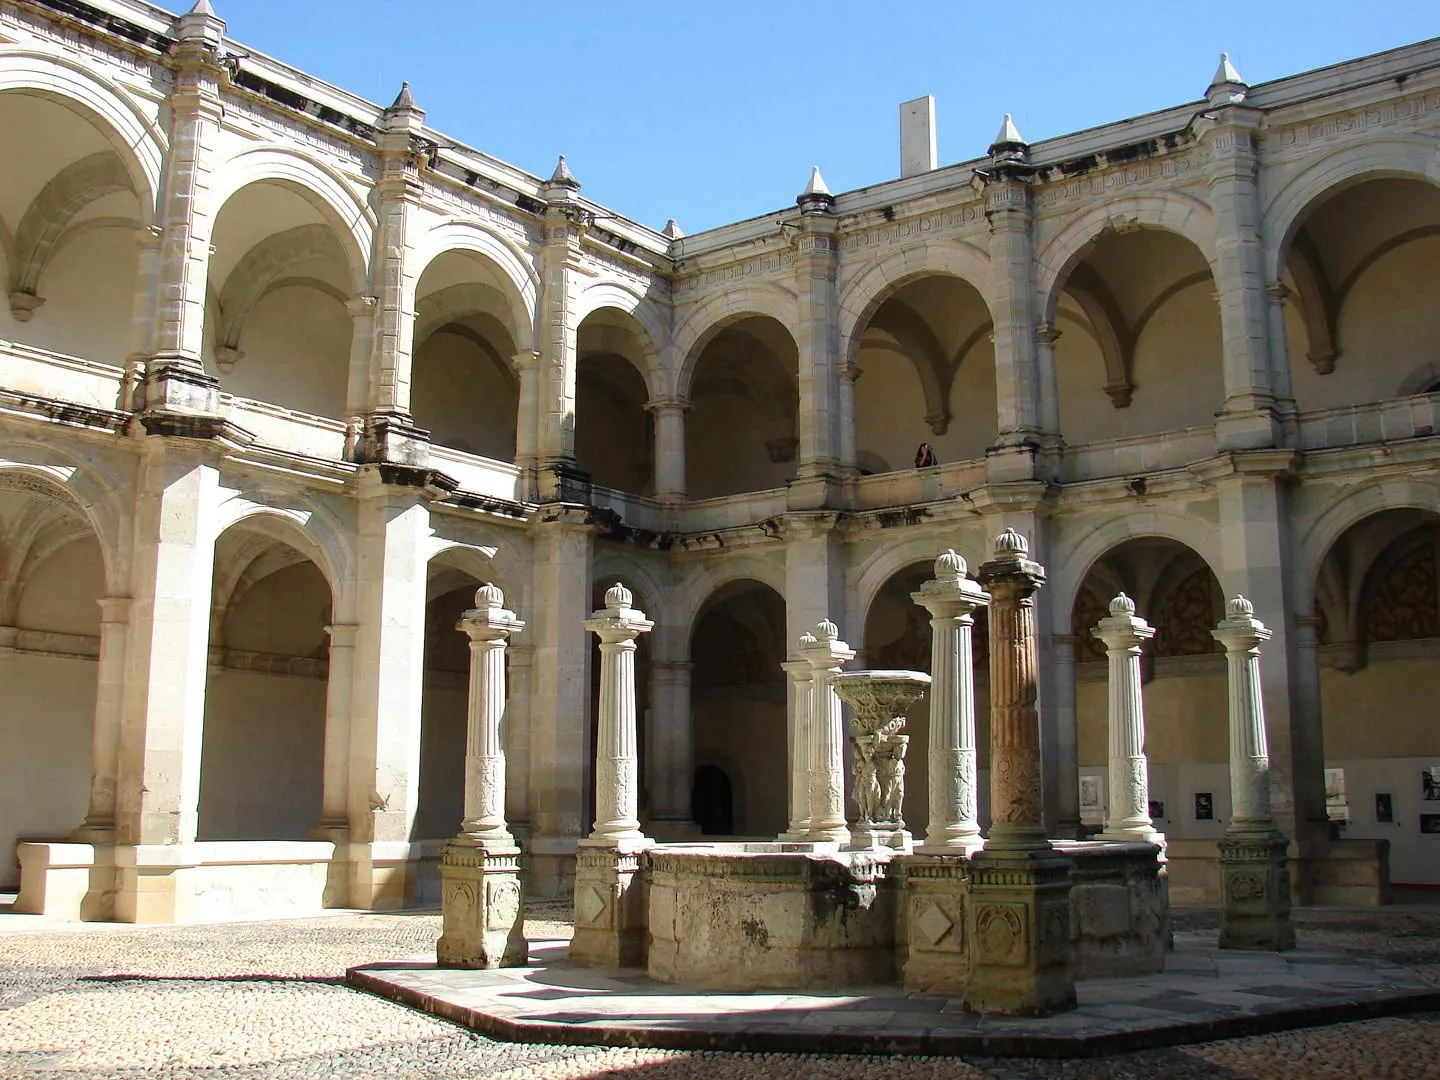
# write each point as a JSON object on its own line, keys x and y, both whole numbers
{"x": 1203, "y": 994}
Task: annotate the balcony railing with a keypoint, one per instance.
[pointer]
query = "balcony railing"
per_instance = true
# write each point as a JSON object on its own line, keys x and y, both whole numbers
{"x": 1139, "y": 454}
{"x": 919, "y": 485}
{"x": 1374, "y": 422}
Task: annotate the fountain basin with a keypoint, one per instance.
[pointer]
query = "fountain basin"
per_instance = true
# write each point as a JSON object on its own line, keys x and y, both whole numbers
{"x": 770, "y": 916}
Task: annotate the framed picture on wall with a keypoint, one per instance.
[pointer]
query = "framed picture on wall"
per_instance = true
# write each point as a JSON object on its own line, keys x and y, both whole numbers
{"x": 1204, "y": 806}
{"x": 1090, "y": 793}
{"x": 1430, "y": 783}
{"x": 1157, "y": 809}
{"x": 1430, "y": 823}
{"x": 1384, "y": 808}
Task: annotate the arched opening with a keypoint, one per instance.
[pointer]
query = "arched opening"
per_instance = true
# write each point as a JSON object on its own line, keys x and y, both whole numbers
{"x": 738, "y": 705}
{"x": 1139, "y": 351}
{"x": 927, "y": 374}
{"x": 277, "y": 326}
{"x": 464, "y": 385}
{"x": 1185, "y": 696}
{"x": 70, "y": 212}
{"x": 644, "y": 719}
{"x": 262, "y": 757}
{"x": 1363, "y": 310}
{"x": 741, "y": 433}
{"x": 898, "y": 636}
{"x": 1378, "y": 602}
{"x": 614, "y": 439}
{"x": 52, "y": 577}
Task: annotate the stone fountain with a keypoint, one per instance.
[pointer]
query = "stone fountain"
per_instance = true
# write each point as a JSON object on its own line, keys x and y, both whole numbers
{"x": 879, "y": 700}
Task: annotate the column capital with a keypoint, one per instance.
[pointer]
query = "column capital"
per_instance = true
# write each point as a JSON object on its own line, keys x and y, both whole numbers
{"x": 950, "y": 594}
{"x": 342, "y": 635}
{"x": 1123, "y": 630}
{"x": 668, "y": 404}
{"x": 1011, "y": 569}
{"x": 823, "y": 650}
{"x": 488, "y": 620}
{"x": 1048, "y": 333}
{"x": 1240, "y": 631}
{"x": 115, "y": 609}
{"x": 361, "y": 306}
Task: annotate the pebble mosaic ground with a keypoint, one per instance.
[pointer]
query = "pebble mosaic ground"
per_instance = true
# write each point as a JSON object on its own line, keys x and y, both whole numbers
{"x": 267, "y": 999}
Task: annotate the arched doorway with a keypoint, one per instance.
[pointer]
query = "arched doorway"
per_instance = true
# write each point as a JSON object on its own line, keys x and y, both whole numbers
{"x": 1378, "y": 605}
{"x": 52, "y": 578}
{"x": 262, "y": 756}
{"x": 738, "y": 707}
{"x": 614, "y": 439}
{"x": 741, "y": 434}
{"x": 1185, "y": 695}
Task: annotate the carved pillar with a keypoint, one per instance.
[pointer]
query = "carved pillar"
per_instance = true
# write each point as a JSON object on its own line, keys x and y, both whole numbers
{"x": 358, "y": 391}
{"x": 390, "y": 434}
{"x": 1282, "y": 385}
{"x": 483, "y": 902}
{"x": 1019, "y": 914}
{"x": 176, "y": 381}
{"x": 561, "y": 280}
{"x": 99, "y": 826}
{"x": 951, "y": 599}
{"x": 1052, "y": 443}
{"x": 1228, "y": 128}
{"x": 799, "y": 672}
{"x": 827, "y": 735}
{"x": 527, "y": 421}
{"x": 334, "y": 823}
{"x": 817, "y": 338}
{"x": 610, "y": 926}
{"x": 1017, "y": 376}
{"x": 669, "y": 448}
{"x": 849, "y": 439}
{"x": 1254, "y": 878}
{"x": 1129, "y": 815}
{"x": 671, "y": 761}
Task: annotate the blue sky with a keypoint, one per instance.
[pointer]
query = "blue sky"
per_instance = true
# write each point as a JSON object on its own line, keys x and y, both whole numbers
{"x": 710, "y": 112}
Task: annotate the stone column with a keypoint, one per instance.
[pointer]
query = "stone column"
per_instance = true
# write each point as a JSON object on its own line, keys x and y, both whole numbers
{"x": 162, "y": 719}
{"x": 560, "y": 746}
{"x": 384, "y": 791}
{"x": 390, "y": 434}
{"x": 562, "y": 278}
{"x": 671, "y": 758}
{"x": 827, "y": 735}
{"x": 1007, "y": 206}
{"x": 817, "y": 338}
{"x": 334, "y": 823}
{"x": 357, "y": 382}
{"x": 1019, "y": 913}
{"x": 1051, "y": 441}
{"x": 1254, "y": 878}
{"x": 1067, "y": 750}
{"x": 517, "y": 738}
{"x": 951, "y": 598}
{"x": 1129, "y": 813}
{"x": 176, "y": 381}
{"x": 669, "y": 416}
{"x": 483, "y": 898}
{"x": 99, "y": 826}
{"x": 799, "y": 672}
{"x": 527, "y": 421}
{"x": 1229, "y": 128}
{"x": 610, "y": 916}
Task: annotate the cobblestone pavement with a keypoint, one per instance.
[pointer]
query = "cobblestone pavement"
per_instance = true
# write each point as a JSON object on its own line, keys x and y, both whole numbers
{"x": 252, "y": 1000}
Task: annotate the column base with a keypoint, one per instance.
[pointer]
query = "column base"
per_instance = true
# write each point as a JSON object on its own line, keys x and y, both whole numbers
{"x": 967, "y": 846}
{"x": 1255, "y": 892}
{"x": 1019, "y": 930}
{"x": 674, "y": 831}
{"x": 936, "y": 900}
{"x": 611, "y": 929}
{"x": 482, "y": 906}
{"x": 881, "y": 835}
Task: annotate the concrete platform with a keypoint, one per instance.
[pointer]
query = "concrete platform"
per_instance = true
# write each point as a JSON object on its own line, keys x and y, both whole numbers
{"x": 1204, "y": 993}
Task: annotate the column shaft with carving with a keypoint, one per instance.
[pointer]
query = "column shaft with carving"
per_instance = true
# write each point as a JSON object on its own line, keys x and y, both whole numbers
{"x": 610, "y": 916}
{"x": 827, "y": 736}
{"x": 483, "y": 902}
{"x": 951, "y": 599}
{"x": 1254, "y": 877}
{"x": 800, "y": 673}
{"x": 1124, "y": 635}
{"x": 1018, "y": 920}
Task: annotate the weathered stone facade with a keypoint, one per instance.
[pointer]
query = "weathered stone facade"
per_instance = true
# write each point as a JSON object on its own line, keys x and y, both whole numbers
{"x": 284, "y": 376}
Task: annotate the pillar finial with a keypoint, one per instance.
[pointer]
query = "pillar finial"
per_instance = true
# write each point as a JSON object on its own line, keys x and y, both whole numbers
{"x": 1122, "y": 605}
{"x": 950, "y": 566}
{"x": 825, "y": 630}
{"x": 1010, "y": 544}
{"x": 489, "y": 596}
{"x": 618, "y": 596}
{"x": 1239, "y": 608}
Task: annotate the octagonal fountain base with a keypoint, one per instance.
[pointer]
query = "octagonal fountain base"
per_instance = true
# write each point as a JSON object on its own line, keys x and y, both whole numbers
{"x": 770, "y": 916}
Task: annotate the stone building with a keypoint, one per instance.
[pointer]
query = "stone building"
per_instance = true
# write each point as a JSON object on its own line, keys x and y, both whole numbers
{"x": 284, "y": 376}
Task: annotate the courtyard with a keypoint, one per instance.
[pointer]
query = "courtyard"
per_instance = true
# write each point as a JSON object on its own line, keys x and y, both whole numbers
{"x": 268, "y": 999}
